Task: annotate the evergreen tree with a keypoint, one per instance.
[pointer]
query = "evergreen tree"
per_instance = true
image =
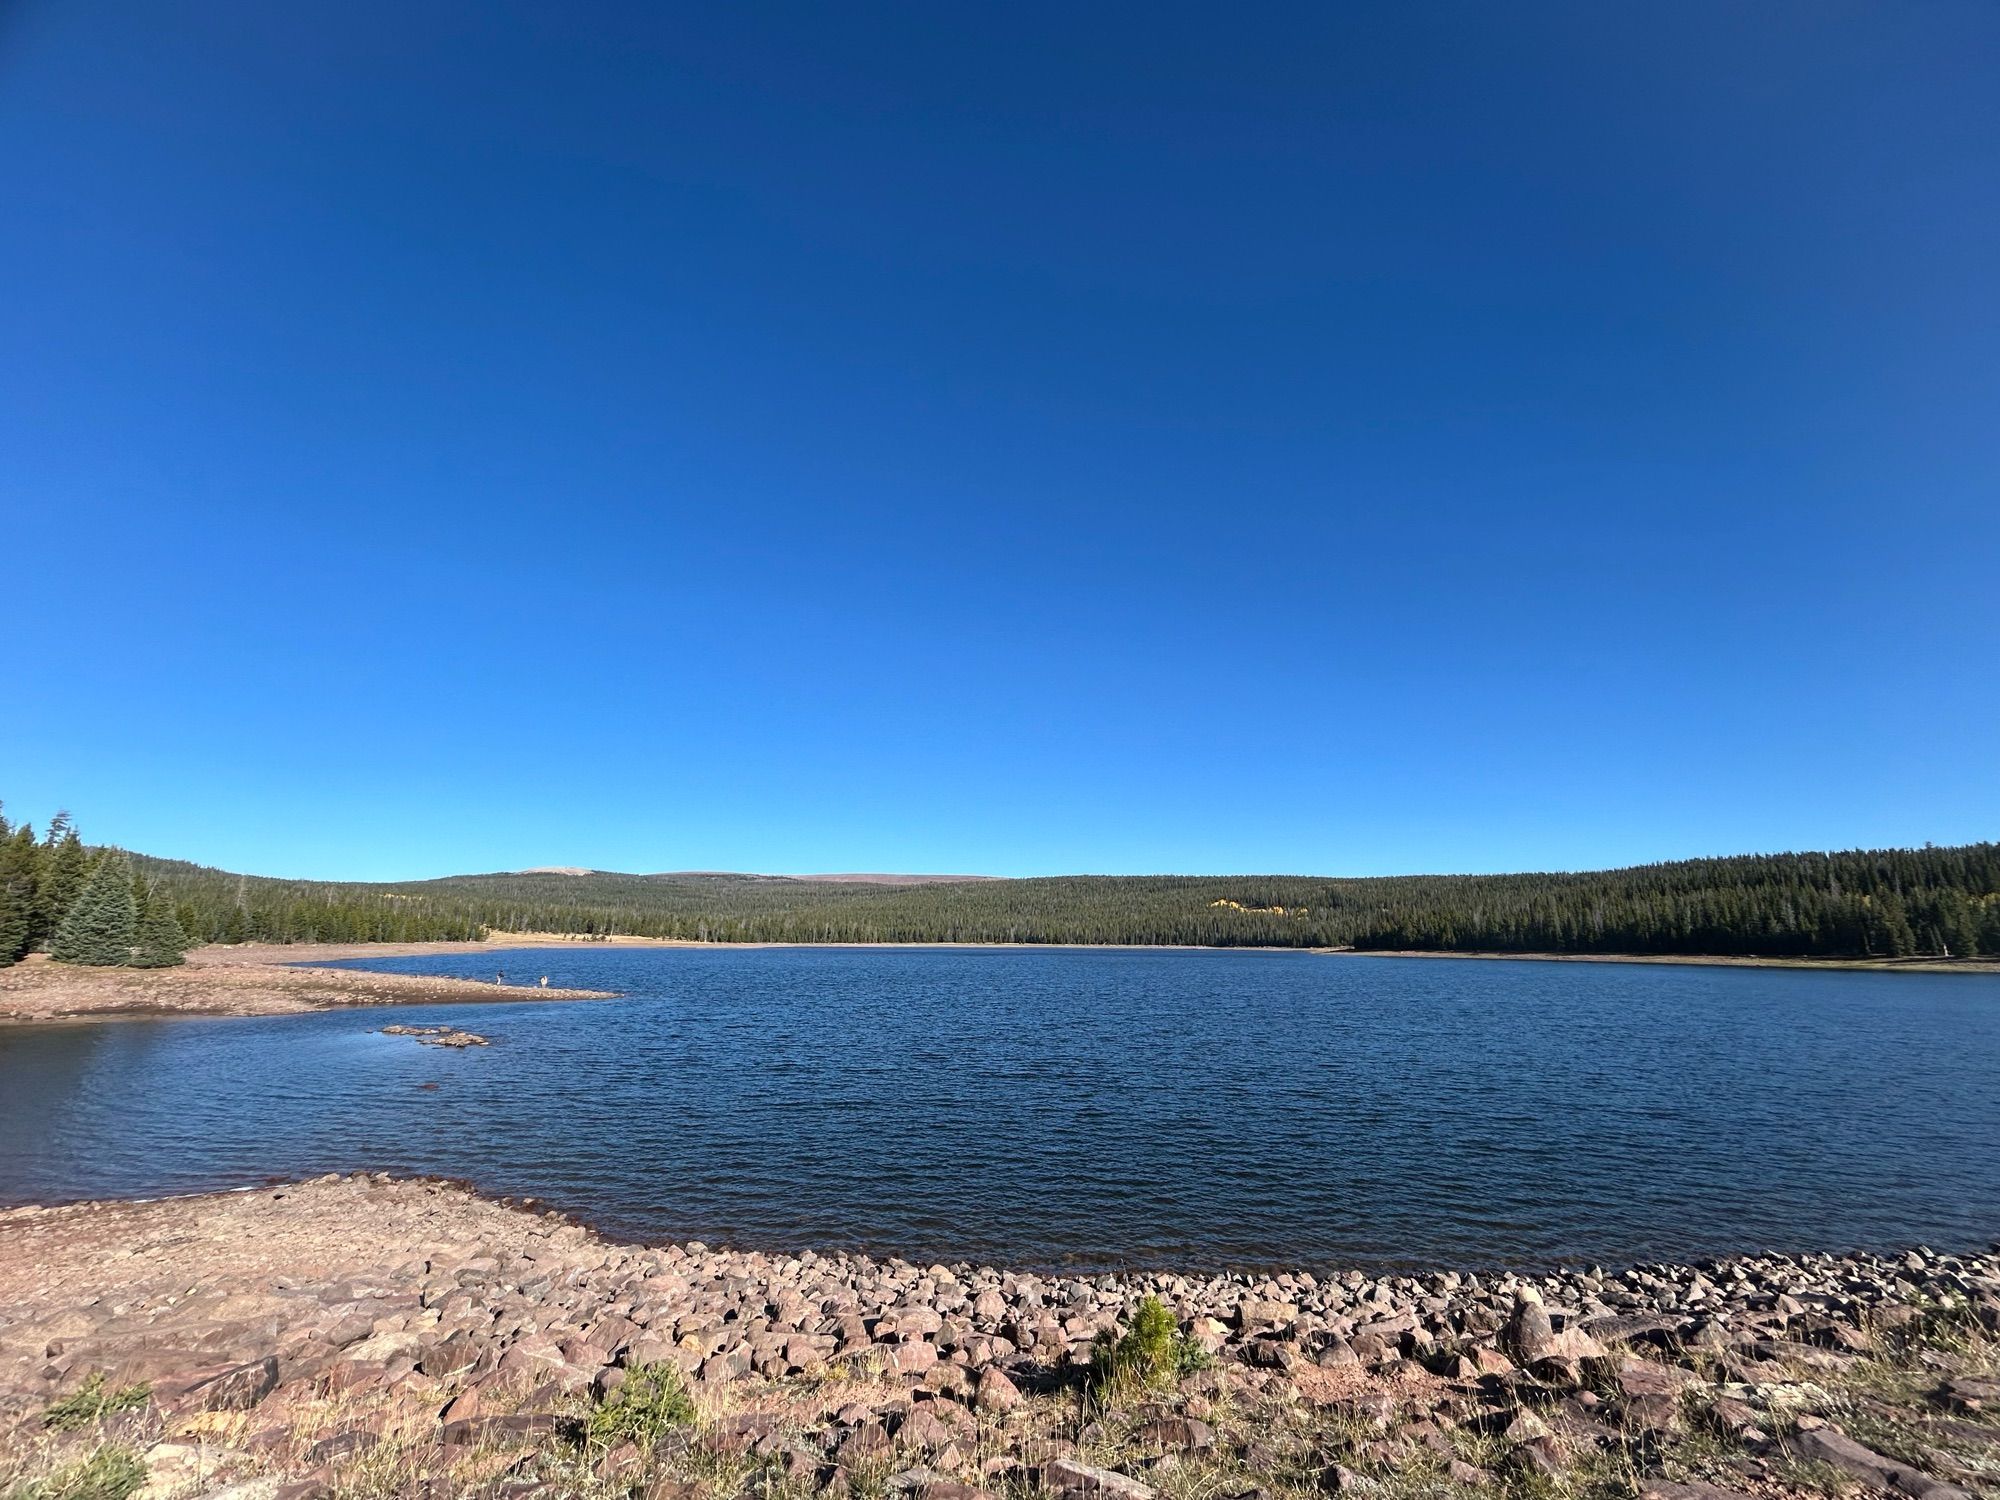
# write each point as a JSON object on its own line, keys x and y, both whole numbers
{"x": 1989, "y": 926}
{"x": 101, "y": 924}
{"x": 14, "y": 914}
{"x": 161, "y": 940}
{"x": 17, "y": 890}
{"x": 1956, "y": 923}
{"x": 1890, "y": 934}
{"x": 62, "y": 864}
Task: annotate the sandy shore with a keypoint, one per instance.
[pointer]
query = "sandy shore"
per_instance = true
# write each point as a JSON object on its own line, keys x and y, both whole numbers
{"x": 374, "y": 1337}
{"x": 252, "y": 980}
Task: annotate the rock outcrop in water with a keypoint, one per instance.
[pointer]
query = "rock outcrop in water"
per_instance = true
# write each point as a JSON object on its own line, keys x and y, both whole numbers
{"x": 439, "y": 1036}
{"x": 293, "y": 1333}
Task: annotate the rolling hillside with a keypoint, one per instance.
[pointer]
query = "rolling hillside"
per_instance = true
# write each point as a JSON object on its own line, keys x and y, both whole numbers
{"x": 1885, "y": 903}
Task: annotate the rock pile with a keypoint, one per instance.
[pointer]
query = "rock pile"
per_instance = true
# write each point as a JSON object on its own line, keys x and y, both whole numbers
{"x": 531, "y": 1304}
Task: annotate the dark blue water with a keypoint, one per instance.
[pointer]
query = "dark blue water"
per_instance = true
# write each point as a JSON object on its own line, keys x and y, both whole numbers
{"x": 1092, "y": 1107}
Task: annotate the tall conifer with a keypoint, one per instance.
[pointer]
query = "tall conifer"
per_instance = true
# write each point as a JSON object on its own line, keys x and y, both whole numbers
{"x": 17, "y": 890}
{"x": 14, "y": 914}
{"x": 101, "y": 925}
{"x": 61, "y": 866}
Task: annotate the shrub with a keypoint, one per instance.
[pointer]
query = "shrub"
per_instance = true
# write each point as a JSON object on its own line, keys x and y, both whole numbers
{"x": 1150, "y": 1354}
{"x": 90, "y": 1401}
{"x": 653, "y": 1399}
{"x": 160, "y": 943}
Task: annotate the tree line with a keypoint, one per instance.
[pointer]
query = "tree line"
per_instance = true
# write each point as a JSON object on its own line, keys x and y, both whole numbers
{"x": 81, "y": 905}
{"x": 1881, "y": 903}
{"x": 1862, "y": 903}
{"x": 1884, "y": 903}
{"x": 218, "y": 907}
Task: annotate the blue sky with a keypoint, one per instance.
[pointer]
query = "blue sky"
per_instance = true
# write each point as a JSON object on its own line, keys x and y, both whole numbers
{"x": 1007, "y": 439}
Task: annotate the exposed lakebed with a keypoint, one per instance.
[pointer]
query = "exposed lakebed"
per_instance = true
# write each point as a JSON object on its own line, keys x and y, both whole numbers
{"x": 1090, "y": 1108}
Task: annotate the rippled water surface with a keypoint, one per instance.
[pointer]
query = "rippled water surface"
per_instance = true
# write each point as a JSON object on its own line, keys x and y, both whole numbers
{"x": 1091, "y": 1107}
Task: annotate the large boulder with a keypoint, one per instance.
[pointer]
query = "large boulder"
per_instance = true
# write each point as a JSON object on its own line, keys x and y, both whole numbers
{"x": 1529, "y": 1335}
{"x": 1073, "y": 1477}
{"x": 1829, "y": 1445}
{"x": 1264, "y": 1312}
{"x": 995, "y": 1392}
{"x": 236, "y": 1387}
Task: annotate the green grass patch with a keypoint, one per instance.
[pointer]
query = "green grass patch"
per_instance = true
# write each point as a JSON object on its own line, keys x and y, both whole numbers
{"x": 91, "y": 1401}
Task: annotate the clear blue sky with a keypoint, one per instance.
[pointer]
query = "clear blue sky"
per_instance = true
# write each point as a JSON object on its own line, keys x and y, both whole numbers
{"x": 1015, "y": 439}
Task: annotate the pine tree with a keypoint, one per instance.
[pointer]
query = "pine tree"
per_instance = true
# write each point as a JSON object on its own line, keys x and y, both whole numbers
{"x": 1890, "y": 934}
{"x": 61, "y": 866}
{"x": 14, "y": 914}
{"x": 17, "y": 890}
{"x": 101, "y": 925}
{"x": 1989, "y": 926}
{"x": 161, "y": 940}
{"x": 1957, "y": 924}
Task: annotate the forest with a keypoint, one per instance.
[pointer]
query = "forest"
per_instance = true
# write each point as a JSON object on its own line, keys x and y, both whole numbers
{"x": 81, "y": 905}
{"x": 1882, "y": 903}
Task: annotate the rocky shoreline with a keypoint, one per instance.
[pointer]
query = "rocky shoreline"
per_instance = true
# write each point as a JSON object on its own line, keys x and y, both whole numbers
{"x": 363, "y": 1335}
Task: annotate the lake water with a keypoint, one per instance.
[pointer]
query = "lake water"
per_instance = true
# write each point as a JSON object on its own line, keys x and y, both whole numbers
{"x": 1091, "y": 1108}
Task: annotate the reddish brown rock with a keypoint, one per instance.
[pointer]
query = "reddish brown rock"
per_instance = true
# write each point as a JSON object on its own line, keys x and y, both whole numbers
{"x": 995, "y": 1392}
{"x": 1175, "y": 1435}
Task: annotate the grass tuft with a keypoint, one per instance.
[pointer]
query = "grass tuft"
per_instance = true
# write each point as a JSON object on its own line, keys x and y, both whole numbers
{"x": 90, "y": 1402}
{"x": 110, "y": 1473}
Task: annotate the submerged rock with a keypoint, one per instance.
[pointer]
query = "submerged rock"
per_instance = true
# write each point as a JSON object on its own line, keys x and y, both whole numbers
{"x": 438, "y": 1036}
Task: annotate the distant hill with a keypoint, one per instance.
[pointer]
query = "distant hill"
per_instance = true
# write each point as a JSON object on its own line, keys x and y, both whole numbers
{"x": 895, "y": 879}
{"x": 854, "y": 879}
{"x": 1864, "y": 902}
